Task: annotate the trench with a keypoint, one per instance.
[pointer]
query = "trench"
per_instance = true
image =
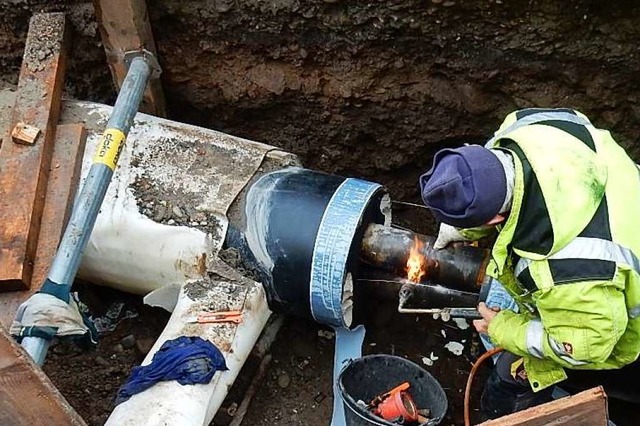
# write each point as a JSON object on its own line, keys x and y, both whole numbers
{"x": 360, "y": 89}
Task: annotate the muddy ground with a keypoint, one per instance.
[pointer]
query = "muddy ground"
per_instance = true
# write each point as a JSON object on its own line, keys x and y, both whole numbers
{"x": 297, "y": 387}
{"x": 368, "y": 89}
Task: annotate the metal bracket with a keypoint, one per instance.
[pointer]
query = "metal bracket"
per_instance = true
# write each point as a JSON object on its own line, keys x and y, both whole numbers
{"x": 149, "y": 57}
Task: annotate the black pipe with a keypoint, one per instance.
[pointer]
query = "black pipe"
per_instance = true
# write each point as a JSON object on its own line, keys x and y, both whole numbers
{"x": 461, "y": 267}
{"x": 422, "y": 296}
{"x": 435, "y": 296}
{"x": 283, "y": 213}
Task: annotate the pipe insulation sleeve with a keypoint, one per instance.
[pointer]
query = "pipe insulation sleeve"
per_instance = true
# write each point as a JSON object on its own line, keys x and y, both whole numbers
{"x": 331, "y": 252}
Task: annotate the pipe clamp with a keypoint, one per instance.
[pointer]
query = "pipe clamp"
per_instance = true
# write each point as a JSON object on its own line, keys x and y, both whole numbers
{"x": 149, "y": 58}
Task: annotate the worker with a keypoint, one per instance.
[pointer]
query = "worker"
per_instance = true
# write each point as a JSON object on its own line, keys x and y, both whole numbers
{"x": 562, "y": 199}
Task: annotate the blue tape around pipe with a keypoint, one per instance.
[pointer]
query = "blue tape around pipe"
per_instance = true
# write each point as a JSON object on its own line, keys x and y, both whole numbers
{"x": 328, "y": 271}
{"x": 333, "y": 242}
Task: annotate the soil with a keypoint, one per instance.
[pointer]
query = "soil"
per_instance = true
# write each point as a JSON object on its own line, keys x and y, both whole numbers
{"x": 308, "y": 398}
{"x": 366, "y": 89}
{"x": 47, "y": 31}
{"x": 90, "y": 378}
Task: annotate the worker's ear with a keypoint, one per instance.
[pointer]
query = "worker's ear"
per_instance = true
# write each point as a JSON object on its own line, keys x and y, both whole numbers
{"x": 497, "y": 219}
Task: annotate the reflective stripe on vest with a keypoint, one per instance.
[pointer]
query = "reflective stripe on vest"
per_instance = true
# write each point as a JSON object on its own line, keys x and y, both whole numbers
{"x": 595, "y": 249}
{"x": 535, "y": 334}
{"x": 536, "y": 118}
{"x": 535, "y": 344}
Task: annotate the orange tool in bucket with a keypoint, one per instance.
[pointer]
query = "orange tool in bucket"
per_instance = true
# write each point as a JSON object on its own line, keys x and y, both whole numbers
{"x": 395, "y": 404}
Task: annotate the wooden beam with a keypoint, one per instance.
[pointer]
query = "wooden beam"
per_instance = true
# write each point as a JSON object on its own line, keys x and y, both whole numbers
{"x": 588, "y": 408}
{"x": 61, "y": 190}
{"x": 24, "y": 168}
{"x": 27, "y": 396}
{"x": 124, "y": 26}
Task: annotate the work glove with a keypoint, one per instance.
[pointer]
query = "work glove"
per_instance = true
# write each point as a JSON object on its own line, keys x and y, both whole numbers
{"x": 446, "y": 235}
{"x": 45, "y": 316}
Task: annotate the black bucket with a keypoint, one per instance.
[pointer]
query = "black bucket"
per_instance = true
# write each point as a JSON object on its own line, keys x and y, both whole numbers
{"x": 367, "y": 377}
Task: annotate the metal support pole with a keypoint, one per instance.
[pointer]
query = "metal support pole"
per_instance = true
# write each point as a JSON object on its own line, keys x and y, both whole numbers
{"x": 142, "y": 67}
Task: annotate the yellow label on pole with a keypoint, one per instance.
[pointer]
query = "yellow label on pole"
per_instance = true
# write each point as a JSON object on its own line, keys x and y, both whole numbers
{"x": 110, "y": 148}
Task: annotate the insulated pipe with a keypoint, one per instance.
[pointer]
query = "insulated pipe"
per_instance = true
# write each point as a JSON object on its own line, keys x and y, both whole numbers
{"x": 76, "y": 236}
{"x": 303, "y": 233}
{"x": 460, "y": 267}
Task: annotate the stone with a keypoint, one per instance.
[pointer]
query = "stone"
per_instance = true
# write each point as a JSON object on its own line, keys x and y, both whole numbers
{"x": 128, "y": 342}
{"x": 177, "y": 212}
{"x": 326, "y": 334}
{"x": 144, "y": 345}
{"x": 461, "y": 323}
{"x": 302, "y": 365}
{"x": 102, "y": 362}
{"x": 232, "y": 409}
{"x": 161, "y": 212}
{"x": 455, "y": 348}
{"x": 284, "y": 380}
{"x": 223, "y": 6}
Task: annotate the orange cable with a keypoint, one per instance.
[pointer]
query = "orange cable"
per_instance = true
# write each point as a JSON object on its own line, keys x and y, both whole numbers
{"x": 467, "y": 391}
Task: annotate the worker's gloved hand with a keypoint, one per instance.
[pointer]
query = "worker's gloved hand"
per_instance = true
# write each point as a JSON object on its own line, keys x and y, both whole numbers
{"x": 495, "y": 297}
{"x": 46, "y": 316}
{"x": 447, "y": 235}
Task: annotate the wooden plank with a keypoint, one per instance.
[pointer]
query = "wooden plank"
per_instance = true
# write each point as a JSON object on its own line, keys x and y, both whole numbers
{"x": 124, "y": 26}
{"x": 27, "y": 396}
{"x": 24, "y": 169}
{"x": 588, "y": 408}
{"x": 63, "y": 184}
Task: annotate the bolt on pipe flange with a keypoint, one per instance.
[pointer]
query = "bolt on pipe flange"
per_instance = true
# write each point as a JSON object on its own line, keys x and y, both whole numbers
{"x": 149, "y": 57}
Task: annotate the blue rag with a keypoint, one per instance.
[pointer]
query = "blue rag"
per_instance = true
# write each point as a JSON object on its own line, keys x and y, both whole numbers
{"x": 189, "y": 360}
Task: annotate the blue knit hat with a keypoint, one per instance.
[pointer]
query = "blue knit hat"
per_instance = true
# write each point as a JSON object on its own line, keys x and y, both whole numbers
{"x": 465, "y": 187}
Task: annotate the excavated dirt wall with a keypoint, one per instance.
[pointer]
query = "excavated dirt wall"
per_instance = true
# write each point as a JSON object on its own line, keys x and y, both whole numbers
{"x": 368, "y": 88}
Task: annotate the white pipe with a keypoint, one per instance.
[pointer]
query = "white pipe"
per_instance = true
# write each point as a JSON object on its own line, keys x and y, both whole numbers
{"x": 169, "y": 403}
{"x": 129, "y": 251}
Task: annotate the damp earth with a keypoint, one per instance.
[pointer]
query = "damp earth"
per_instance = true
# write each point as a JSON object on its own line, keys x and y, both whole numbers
{"x": 364, "y": 89}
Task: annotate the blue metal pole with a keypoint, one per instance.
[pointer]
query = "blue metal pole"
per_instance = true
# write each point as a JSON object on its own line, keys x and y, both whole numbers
{"x": 76, "y": 236}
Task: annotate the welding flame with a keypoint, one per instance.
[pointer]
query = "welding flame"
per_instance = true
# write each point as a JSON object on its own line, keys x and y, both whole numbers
{"x": 417, "y": 262}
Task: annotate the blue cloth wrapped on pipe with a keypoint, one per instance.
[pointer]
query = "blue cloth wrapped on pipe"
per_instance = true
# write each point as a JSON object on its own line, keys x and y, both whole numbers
{"x": 187, "y": 359}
